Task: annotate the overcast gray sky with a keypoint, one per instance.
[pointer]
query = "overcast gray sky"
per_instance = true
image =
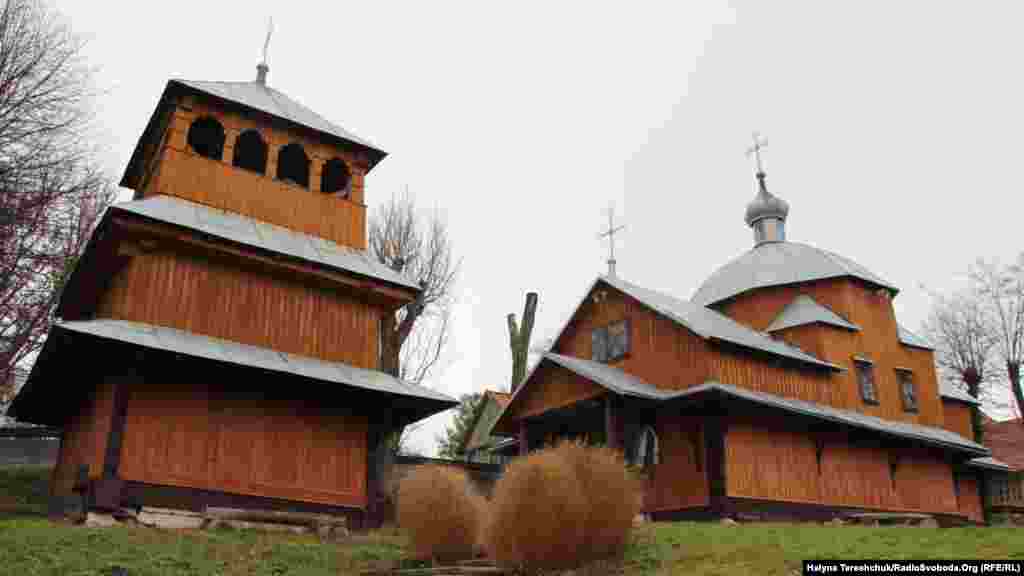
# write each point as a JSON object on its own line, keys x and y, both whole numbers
{"x": 895, "y": 131}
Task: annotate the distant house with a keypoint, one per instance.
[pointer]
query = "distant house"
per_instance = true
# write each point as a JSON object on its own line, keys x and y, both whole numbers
{"x": 783, "y": 388}
{"x": 218, "y": 341}
{"x": 479, "y": 445}
{"x": 1006, "y": 440}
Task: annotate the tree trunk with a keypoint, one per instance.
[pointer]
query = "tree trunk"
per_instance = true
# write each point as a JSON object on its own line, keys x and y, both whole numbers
{"x": 519, "y": 339}
{"x": 973, "y": 381}
{"x": 390, "y": 346}
{"x": 1013, "y": 370}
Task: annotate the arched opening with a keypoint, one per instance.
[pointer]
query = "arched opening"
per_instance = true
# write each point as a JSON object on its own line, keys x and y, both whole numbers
{"x": 206, "y": 137}
{"x": 250, "y": 152}
{"x": 293, "y": 165}
{"x": 335, "y": 177}
{"x": 645, "y": 450}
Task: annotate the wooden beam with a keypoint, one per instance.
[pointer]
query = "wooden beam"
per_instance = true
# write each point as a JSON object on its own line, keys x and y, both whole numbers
{"x": 275, "y": 262}
{"x": 613, "y": 421}
{"x": 523, "y": 448}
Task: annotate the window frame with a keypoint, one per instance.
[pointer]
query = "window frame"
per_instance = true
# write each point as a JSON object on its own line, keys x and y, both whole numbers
{"x": 599, "y": 336}
{"x": 626, "y": 340}
{"x": 907, "y": 375}
{"x": 865, "y": 366}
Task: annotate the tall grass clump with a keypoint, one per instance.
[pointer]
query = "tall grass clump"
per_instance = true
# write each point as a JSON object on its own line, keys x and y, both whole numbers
{"x": 612, "y": 492}
{"x": 561, "y": 507}
{"x": 440, "y": 512}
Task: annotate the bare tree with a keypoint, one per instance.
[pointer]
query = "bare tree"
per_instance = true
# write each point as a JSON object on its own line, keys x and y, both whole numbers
{"x": 415, "y": 337}
{"x": 965, "y": 347}
{"x": 51, "y": 188}
{"x": 1002, "y": 291}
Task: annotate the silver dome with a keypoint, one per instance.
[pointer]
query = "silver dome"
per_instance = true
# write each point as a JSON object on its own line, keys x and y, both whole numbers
{"x": 766, "y": 205}
{"x": 776, "y": 264}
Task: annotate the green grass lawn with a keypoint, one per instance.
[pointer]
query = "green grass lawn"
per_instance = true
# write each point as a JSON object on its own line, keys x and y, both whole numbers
{"x": 31, "y": 545}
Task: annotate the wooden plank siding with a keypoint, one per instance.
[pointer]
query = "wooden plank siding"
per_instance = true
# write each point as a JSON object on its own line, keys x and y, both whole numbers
{"x": 207, "y": 437}
{"x": 561, "y": 388}
{"x": 956, "y": 417}
{"x": 679, "y": 480}
{"x": 217, "y": 299}
{"x": 969, "y": 499}
{"x": 877, "y": 341}
{"x": 84, "y": 438}
{"x": 183, "y": 173}
{"x": 766, "y": 459}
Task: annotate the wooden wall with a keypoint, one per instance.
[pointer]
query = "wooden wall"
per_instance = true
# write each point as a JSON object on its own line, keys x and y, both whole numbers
{"x": 956, "y": 417}
{"x": 877, "y": 340}
{"x": 969, "y": 501}
{"x": 216, "y": 299}
{"x": 680, "y": 479}
{"x": 558, "y": 387}
{"x": 183, "y": 173}
{"x": 225, "y": 438}
{"x": 767, "y": 459}
{"x": 84, "y": 439}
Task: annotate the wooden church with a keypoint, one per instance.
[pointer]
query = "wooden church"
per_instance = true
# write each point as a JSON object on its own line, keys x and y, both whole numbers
{"x": 784, "y": 388}
{"x": 218, "y": 341}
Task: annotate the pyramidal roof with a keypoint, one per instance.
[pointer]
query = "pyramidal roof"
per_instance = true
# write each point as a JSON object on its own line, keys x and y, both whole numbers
{"x": 263, "y": 98}
{"x": 252, "y": 95}
{"x": 806, "y": 310}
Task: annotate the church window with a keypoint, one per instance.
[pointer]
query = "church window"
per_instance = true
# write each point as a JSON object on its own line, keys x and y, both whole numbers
{"x": 819, "y": 452}
{"x": 866, "y": 380}
{"x": 1000, "y": 487}
{"x": 907, "y": 391}
{"x": 250, "y": 152}
{"x": 293, "y": 165}
{"x": 335, "y": 177}
{"x": 610, "y": 343}
{"x": 894, "y": 462}
{"x": 206, "y": 138}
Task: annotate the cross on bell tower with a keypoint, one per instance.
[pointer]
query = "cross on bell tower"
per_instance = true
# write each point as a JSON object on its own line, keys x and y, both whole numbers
{"x": 610, "y": 234}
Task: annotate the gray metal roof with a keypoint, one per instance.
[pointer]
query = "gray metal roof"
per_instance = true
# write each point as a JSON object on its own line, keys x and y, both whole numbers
{"x": 611, "y": 378}
{"x": 910, "y": 339}
{"x": 266, "y": 99}
{"x": 196, "y": 345}
{"x": 951, "y": 392}
{"x": 709, "y": 323}
{"x": 805, "y": 310}
{"x": 622, "y": 383}
{"x": 252, "y": 232}
{"x": 990, "y": 463}
{"x": 778, "y": 263}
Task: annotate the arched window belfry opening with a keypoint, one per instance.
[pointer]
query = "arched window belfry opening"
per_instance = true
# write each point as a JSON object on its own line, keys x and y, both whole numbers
{"x": 293, "y": 165}
{"x": 206, "y": 137}
{"x": 250, "y": 152}
{"x": 335, "y": 177}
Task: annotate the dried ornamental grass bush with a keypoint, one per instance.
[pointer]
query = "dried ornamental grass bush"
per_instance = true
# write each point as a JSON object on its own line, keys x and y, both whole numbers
{"x": 440, "y": 511}
{"x": 612, "y": 492}
{"x": 536, "y": 515}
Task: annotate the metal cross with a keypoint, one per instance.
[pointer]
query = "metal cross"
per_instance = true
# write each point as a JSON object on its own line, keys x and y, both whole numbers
{"x": 610, "y": 234}
{"x": 266, "y": 43}
{"x": 756, "y": 151}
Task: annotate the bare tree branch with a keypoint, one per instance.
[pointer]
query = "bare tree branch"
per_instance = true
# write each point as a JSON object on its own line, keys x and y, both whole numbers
{"x": 52, "y": 191}
{"x": 1002, "y": 292}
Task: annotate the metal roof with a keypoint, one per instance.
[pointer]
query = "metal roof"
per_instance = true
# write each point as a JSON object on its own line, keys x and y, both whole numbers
{"x": 908, "y": 338}
{"x": 197, "y": 345}
{"x": 620, "y": 382}
{"x": 252, "y": 232}
{"x": 611, "y": 378}
{"x": 990, "y": 463}
{"x": 951, "y": 392}
{"x": 266, "y": 99}
{"x": 779, "y": 263}
{"x": 805, "y": 310}
{"x": 709, "y": 323}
